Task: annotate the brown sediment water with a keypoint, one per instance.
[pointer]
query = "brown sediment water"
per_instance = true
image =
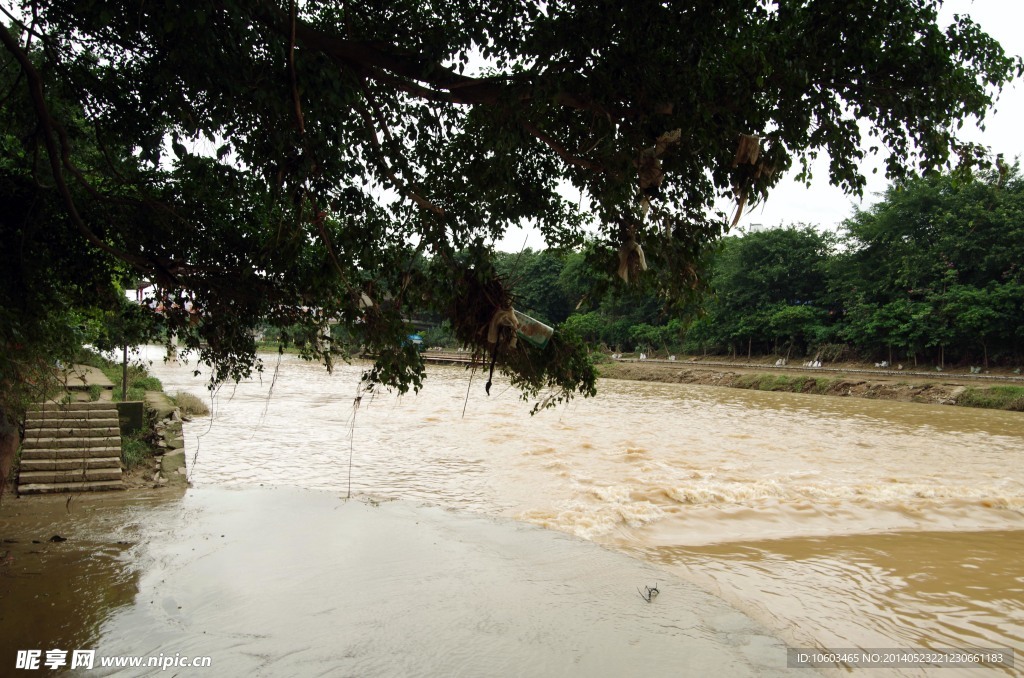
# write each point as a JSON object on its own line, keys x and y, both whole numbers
{"x": 834, "y": 522}
{"x": 899, "y": 590}
{"x": 64, "y": 567}
{"x": 898, "y": 501}
{"x": 352, "y": 588}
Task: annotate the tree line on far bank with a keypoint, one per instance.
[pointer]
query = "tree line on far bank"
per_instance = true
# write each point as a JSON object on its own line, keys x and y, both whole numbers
{"x": 932, "y": 274}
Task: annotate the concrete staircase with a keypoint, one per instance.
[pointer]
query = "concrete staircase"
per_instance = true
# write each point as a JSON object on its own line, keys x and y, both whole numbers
{"x": 71, "y": 448}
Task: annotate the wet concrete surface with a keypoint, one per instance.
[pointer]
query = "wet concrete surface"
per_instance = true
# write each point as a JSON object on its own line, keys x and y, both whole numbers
{"x": 292, "y": 582}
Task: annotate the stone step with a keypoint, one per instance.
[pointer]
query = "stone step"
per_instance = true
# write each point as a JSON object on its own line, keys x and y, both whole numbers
{"x": 72, "y": 407}
{"x": 72, "y": 422}
{"x": 74, "y": 432}
{"x": 48, "y": 488}
{"x": 61, "y": 443}
{"x": 72, "y": 453}
{"x": 42, "y": 418}
{"x": 68, "y": 476}
{"x": 69, "y": 464}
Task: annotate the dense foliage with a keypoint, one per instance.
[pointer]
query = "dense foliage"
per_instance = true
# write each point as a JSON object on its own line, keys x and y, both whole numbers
{"x": 933, "y": 272}
{"x": 303, "y": 164}
{"x": 937, "y": 268}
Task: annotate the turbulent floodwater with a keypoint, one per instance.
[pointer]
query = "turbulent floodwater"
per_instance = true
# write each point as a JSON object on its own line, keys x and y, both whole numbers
{"x": 835, "y": 522}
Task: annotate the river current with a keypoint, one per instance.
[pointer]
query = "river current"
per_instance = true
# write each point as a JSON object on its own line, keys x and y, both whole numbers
{"x": 834, "y": 522}
{"x": 812, "y": 522}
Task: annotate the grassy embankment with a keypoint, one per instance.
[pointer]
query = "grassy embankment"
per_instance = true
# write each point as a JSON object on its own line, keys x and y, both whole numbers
{"x": 1000, "y": 397}
{"x": 988, "y": 397}
{"x": 994, "y": 397}
{"x": 780, "y": 382}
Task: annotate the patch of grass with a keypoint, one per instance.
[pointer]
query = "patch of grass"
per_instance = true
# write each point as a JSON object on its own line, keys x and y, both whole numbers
{"x": 134, "y": 393}
{"x": 190, "y": 405}
{"x": 994, "y": 398}
{"x": 112, "y": 371}
{"x": 94, "y": 391}
{"x": 775, "y": 382}
{"x": 138, "y": 376}
{"x": 146, "y": 384}
{"x": 139, "y": 381}
{"x": 821, "y": 385}
{"x": 134, "y": 450}
{"x": 779, "y": 382}
{"x": 747, "y": 381}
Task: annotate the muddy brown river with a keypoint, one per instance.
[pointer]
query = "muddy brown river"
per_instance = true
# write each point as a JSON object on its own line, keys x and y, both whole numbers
{"x": 826, "y": 522}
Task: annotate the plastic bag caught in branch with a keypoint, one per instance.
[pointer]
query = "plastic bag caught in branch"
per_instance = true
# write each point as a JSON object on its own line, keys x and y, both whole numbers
{"x": 649, "y": 167}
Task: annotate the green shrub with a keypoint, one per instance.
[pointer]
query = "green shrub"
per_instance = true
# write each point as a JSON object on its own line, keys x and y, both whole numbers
{"x": 145, "y": 383}
{"x": 134, "y": 450}
{"x": 134, "y": 393}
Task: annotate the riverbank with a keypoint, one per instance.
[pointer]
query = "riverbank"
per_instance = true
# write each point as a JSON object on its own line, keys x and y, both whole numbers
{"x": 151, "y": 437}
{"x": 154, "y": 454}
{"x": 66, "y": 557}
{"x": 856, "y": 381}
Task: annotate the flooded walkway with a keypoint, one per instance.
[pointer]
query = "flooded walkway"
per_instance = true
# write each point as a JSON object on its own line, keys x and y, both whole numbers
{"x": 302, "y": 583}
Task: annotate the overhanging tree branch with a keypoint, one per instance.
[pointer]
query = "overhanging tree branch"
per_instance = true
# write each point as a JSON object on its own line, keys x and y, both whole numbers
{"x": 404, "y": 187}
{"x": 559, "y": 149}
{"x": 60, "y": 158}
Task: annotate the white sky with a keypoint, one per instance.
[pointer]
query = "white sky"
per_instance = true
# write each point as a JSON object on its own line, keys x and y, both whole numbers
{"x": 825, "y": 206}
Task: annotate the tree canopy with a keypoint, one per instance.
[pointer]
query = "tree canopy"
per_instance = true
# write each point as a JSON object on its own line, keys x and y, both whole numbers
{"x": 769, "y": 286}
{"x": 937, "y": 265}
{"x": 932, "y": 271}
{"x": 320, "y": 162}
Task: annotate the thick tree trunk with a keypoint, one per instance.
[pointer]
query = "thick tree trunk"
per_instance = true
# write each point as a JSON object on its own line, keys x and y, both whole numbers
{"x": 9, "y": 440}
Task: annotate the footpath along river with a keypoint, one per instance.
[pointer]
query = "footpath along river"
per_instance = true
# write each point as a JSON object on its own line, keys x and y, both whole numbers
{"x": 835, "y": 522}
